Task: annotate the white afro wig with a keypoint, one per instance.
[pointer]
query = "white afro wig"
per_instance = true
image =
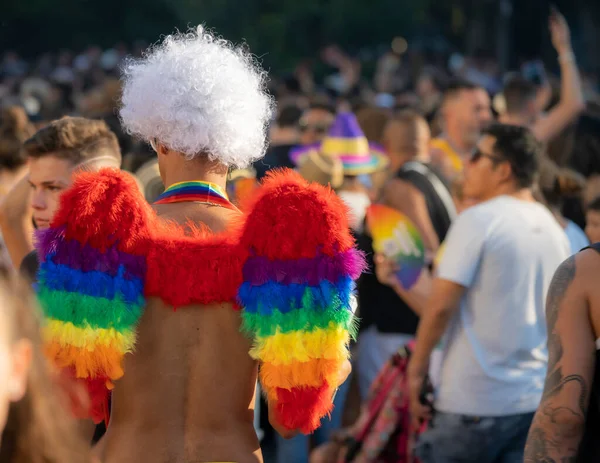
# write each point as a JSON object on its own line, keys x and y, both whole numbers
{"x": 196, "y": 94}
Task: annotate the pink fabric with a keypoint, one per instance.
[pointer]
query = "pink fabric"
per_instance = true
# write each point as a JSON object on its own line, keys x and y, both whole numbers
{"x": 384, "y": 428}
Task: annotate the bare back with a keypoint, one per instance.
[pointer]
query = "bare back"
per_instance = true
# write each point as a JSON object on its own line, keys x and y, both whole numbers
{"x": 188, "y": 392}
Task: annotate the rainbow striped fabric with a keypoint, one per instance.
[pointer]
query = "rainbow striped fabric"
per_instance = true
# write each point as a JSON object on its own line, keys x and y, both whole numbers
{"x": 298, "y": 281}
{"x": 91, "y": 292}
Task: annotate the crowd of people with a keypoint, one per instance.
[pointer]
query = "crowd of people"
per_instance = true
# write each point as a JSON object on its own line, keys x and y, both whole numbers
{"x": 191, "y": 228}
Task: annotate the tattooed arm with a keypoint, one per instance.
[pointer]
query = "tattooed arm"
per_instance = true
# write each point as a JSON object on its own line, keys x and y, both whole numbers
{"x": 559, "y": 422}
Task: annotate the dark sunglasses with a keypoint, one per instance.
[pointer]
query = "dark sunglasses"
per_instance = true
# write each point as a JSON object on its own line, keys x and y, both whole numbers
{"x": 478, "y": 154}
{"x": 317, "y": 128}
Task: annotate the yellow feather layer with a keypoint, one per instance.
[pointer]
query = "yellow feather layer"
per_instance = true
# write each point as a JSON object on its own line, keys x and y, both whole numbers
{"x": 67, "y": 334}
{"x": 301, "y": 346}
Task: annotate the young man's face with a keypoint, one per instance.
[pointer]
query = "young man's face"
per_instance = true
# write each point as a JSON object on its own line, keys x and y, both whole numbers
{"x": 481, "y": 175}
{"x": 49, "y": 176}
{"x": 592, "y": 229}
{"x": 472, "y": 111}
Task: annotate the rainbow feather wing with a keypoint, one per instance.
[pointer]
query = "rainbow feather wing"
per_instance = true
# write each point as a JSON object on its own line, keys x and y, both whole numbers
{"x": 298, "y": 281}
{"x": 91, "y": 280}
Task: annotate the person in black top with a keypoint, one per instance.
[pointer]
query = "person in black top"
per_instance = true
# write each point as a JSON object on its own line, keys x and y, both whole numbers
{"x": 416, "y": 190}
{"x": 284, "y": 136}
{"x": 567, "y": 422}
{"x": 419, "y": 193}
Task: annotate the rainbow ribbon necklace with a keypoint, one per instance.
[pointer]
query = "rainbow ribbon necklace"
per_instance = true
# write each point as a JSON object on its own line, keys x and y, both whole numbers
{"x": 195, "y": 191}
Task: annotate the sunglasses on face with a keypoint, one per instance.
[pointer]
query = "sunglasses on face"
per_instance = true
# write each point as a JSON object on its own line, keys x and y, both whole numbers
{"x": 478, "y": 154}
{"x": 317, "y": 128}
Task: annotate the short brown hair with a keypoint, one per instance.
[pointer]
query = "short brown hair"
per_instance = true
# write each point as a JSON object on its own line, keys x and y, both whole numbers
{"x": 372, "y": 122}
{"x": 406, "y": 132}
{"x": 75, "y": 139}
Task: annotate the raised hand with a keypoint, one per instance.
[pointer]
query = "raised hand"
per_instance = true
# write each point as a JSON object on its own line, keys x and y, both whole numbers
{"x": 559, "y": 32}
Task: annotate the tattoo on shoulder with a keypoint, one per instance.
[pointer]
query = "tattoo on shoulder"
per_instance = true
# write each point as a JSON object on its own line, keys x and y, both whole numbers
{"x": 563, "y": 277}
{"x": 556, "y": 424}
{"x": 558, "y": 287}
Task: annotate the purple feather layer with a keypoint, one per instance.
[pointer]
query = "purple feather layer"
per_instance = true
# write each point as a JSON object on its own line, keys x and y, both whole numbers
{"x": 47, "y": 241}
{"x": 72, "y": 253}
{"x": 260, "y": 270}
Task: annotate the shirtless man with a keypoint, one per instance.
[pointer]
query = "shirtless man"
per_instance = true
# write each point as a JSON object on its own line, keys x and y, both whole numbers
{"x": 183, "y": 381}
{"x": 566, "y": 424}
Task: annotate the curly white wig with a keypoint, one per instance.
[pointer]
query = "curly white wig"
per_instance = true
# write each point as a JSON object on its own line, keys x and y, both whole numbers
{"x": 199, "y": 94}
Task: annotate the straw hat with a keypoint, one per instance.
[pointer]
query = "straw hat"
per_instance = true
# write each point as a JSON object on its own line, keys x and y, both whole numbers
{"x": 346, "y": 142}
{"x": 326, "y": 170}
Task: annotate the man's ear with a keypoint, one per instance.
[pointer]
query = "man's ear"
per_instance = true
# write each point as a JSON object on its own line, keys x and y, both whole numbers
{"x": 505, "y": 171}
{"x": 161, "y": 149}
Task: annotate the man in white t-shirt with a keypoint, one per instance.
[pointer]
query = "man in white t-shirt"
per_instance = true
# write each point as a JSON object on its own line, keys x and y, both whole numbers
{"x": 488, "y": 300}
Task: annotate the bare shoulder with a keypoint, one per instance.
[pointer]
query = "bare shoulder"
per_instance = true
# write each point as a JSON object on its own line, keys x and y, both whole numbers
{"x": 575, "y": 280}
{"x": 583, "y": 268}
{"x": 398, "y": 189}
{"x": 573, "y": 272}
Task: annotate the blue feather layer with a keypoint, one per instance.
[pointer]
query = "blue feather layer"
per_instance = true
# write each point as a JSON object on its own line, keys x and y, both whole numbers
{"x": 264, "y": 299}
{"x": 59, "y": 277}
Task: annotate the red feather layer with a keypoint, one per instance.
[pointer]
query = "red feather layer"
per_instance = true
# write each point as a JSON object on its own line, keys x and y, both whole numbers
{"x": 194, "y": 270}
{"x": 303, "y": 407}
{"x": 107, "y": 200}
{"x": 290, "y": 219}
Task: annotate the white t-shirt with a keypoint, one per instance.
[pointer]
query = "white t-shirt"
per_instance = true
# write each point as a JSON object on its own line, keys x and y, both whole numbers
{"x": 505, "y": 252}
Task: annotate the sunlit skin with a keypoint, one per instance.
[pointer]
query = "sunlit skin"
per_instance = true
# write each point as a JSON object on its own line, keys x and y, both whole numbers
{"x": 49, "y": 176}
{"x": 472, "y": 113}
{"x": 15, "y": 360}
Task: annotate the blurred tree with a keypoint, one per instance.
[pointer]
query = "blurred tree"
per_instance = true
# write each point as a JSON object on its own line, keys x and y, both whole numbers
{"x": 279, "y": 31}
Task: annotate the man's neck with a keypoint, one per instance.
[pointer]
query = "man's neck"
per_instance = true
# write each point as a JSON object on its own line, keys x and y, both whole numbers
{"x": 399, "y": 159}
{"x": 195, "y": 173}
{"x": 522, "y": 194}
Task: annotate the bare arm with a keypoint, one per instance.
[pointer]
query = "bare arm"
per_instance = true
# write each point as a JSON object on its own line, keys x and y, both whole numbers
{"x": 440, "y": 308}
{"x": 442, "y": 305}
{"x": 559, "y": 422}
{"x": 571, "y": 102}
{"x": 15, "y": 221}
{"x": 405, "y": 198}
